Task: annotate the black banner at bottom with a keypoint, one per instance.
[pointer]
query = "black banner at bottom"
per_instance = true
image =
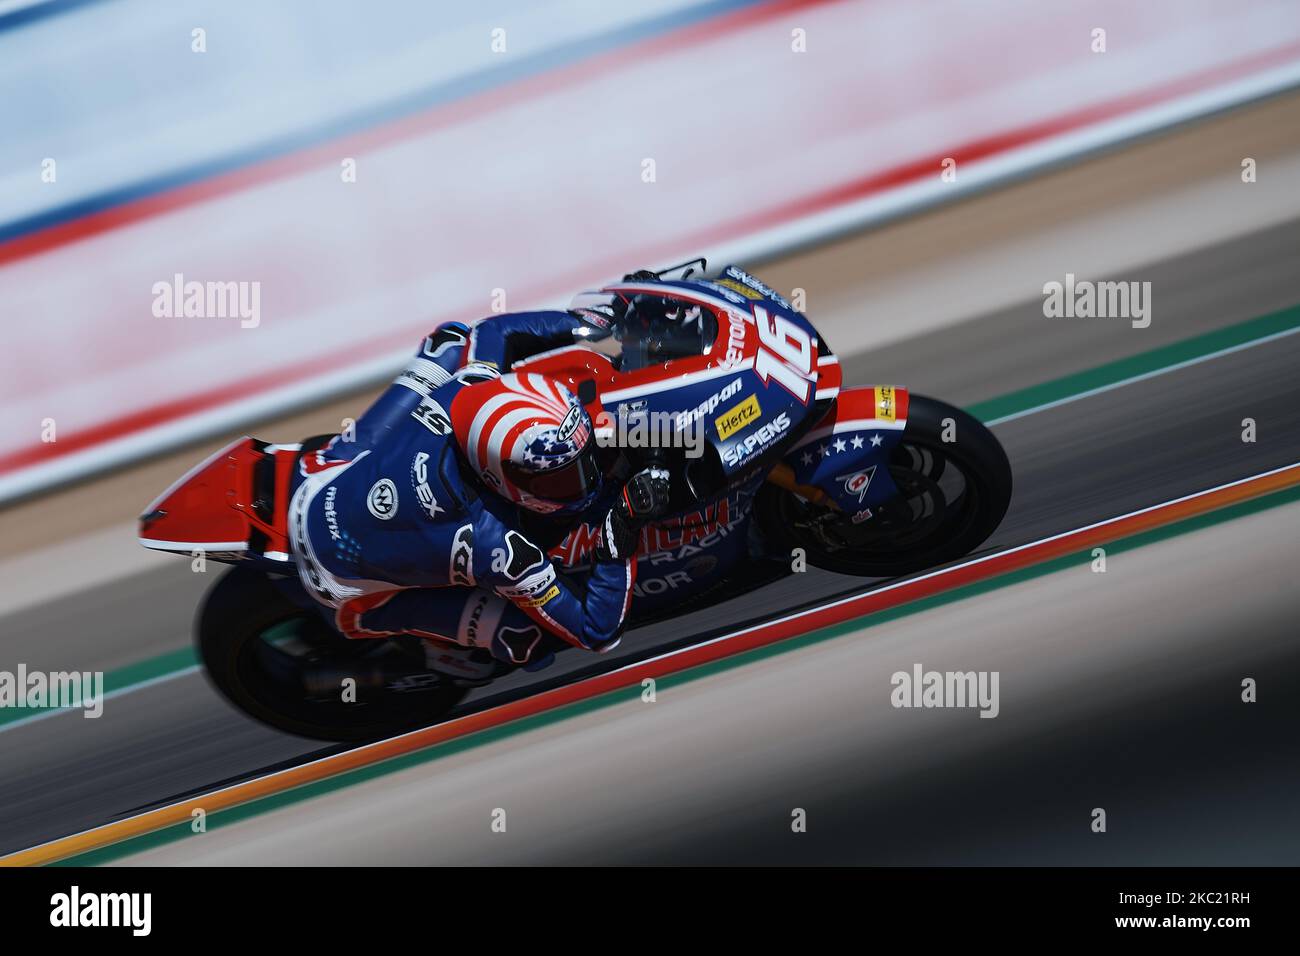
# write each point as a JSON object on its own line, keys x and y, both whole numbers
{"x": 333, "y": 906}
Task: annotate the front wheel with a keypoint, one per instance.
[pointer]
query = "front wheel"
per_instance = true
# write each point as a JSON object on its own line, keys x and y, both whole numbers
{"x": 953, "y": 494}
{"x": 283, "y": 665}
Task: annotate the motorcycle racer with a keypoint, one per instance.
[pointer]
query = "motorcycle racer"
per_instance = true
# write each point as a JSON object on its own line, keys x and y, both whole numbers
{"x": 412, "y": 521}
{"x": 433, "y": 522}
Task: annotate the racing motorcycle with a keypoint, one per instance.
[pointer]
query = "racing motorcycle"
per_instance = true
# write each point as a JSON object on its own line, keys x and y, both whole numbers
{"x": 791, "y": 469}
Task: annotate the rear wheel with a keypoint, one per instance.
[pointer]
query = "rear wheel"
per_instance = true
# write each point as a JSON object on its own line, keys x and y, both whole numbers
{"x": 283, "y": 665}
{"x": 952, "y": 496}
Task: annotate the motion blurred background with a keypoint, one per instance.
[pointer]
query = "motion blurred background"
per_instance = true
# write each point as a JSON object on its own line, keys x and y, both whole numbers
{"x": 919, "y": 168}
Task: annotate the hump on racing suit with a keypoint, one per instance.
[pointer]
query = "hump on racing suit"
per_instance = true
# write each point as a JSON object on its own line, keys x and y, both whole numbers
{"x": 389, "y": 511}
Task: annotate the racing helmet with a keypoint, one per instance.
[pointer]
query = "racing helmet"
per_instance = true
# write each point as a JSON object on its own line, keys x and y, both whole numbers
{"x": 530, "y": 441}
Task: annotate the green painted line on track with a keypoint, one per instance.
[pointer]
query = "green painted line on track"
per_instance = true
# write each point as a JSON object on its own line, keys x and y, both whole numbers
{"x": 1137, "y": 366}
{"x": 122, "y": 679}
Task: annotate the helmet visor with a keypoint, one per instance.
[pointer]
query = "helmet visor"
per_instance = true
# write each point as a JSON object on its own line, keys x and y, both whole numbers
{"x": 571, "y": 482}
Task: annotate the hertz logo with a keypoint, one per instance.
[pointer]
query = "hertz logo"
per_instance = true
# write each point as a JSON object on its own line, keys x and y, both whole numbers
{"x": 734, "y": 419}
{"x": 885, "y": 408}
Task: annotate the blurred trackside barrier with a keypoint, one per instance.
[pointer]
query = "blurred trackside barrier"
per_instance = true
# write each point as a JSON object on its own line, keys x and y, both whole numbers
{"x": 730, "y": 129}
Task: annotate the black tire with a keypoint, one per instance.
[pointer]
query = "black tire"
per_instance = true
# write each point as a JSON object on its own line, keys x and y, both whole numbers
{"x": 260, "y": 679}
{"x": 955, "y": 495}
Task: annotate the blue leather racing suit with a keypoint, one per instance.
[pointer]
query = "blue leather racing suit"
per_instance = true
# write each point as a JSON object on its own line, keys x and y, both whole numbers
{"x": 393, "y": 533}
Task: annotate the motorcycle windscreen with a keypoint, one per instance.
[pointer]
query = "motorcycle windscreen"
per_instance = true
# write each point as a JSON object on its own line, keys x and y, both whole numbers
{"x": 661, "y": 329}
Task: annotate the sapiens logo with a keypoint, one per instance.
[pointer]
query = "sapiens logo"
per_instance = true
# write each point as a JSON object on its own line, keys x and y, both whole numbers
{"x": 44, "y": 690}
{"x": 922, "y": 688}
{"x": 74, "y": 908}
{"x": 1084, "y": 299}
{"x": 208, "y": 300}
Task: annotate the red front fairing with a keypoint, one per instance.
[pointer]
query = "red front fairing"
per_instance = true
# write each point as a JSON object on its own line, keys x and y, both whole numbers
{"x": 233, "y": 506}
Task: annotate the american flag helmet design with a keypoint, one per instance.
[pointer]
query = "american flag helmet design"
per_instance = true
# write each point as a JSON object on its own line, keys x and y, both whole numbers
{"x": 526, "y": 435}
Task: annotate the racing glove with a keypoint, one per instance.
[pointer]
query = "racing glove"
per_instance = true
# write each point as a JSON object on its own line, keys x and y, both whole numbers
{"x": 645, "y": 496}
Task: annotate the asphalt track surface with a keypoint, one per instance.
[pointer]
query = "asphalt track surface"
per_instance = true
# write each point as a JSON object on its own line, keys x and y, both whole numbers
{"x": 1083, "y": 461}
{"x": 1105, "y": 700}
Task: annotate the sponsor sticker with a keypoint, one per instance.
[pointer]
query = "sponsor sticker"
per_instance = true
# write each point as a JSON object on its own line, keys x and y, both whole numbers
{"x": 420, "y": 479}
{"x": 539, "y": 601}
{"x": 531, "y": 586}
{"x": 736, "y": 330}
{"x": 433, "y": 417}
{"x": 745, "y": 448}
{"x": 885, "y": 408}
{"x": 740, "y": 287}
{"x": 734, "y": 419}
{"x": 708, "y": 406}
{"x": 570, "y": 423}
{"x": 382, "y": 500}
{"x": 858, "y": 482}
{"x": 757, "y": 285}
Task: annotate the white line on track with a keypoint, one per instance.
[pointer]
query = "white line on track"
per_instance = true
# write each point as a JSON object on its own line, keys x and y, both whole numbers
{"x": 111, "y": 695}
{"x": 1154, "y": 373}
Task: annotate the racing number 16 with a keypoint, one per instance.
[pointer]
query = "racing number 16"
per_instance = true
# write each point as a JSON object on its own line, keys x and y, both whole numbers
{"x": 786, "y": 354}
